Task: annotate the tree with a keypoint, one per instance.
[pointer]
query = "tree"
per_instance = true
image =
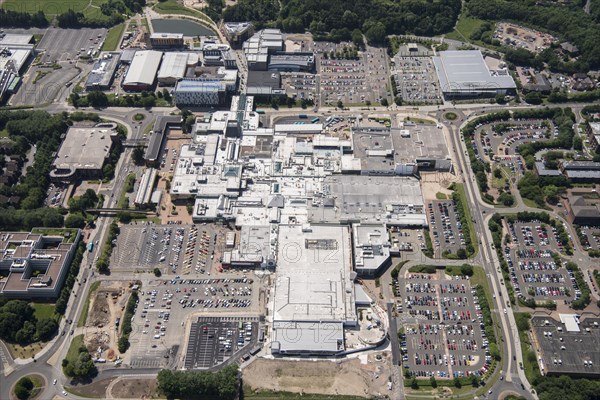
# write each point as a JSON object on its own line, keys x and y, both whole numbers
{"x": 137, "y": 155}
{"x": 457, "y": 383}
{"x": 97, "y": 99}
{"x": 533, "y": 98}
{"x": 461, "y": 253}
{"x": 157, "y": 272}
{"x": 75, "y": 221}
{"x": 357, "y": 38}
{"x": 166, "y": 95}
{"x": 433, "y": 382}
{"x": 23, "y": 388}
{"x": 414, "y": 384}
{"x": 375, "y": 33}
{"x": 398, "y": 100}
{"x": 384, "y": 102}
{"x": 46, "y": 328}
{"x": 500, "y": 98}
{"x": 26, "y": 334}
{"x": 340, "y": 104}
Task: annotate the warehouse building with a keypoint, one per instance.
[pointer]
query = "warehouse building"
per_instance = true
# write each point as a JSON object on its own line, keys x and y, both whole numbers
{"x": 141, "y": 74}
{"x": 103, "y": 72}
{"x": 174, "y": 66}
{"x": 464, "y": 74}
{"x": 292, "y": 62}
{"x": 35, "y": 265}
{"x": 166, "y": 40}
{"x": 83, "y": 152}
{"x": 264, "y": 84}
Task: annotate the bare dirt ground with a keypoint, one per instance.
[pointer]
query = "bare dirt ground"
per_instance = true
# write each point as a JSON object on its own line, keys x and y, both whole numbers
{"x": 106, "y": 306}
{"x": 434, "y": 182}
{"x": 134, "y": 389}
{"x": 96, "y": 390}
{"x": 324, "y": 377}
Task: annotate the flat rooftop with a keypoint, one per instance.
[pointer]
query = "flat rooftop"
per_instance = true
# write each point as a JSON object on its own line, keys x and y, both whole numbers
{"x": 465, "y": 70}
{"x": 84, "y": 148}
{"x": 314, "y": 269}
{"x": 419, "y": 141}
{"x": 568, "y": 352}
{"x": 377, "y": 199}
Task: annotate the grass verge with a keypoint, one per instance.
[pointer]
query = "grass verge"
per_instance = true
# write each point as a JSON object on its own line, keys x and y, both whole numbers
{"x": 44, "y": 310}
{"x": 460, "y": 190}
{"x": 113, "y": 38}
{"x": 86, "y": 305}
{"x": 73, "y": 353}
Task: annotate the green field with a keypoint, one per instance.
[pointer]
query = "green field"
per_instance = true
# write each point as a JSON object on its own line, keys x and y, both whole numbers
{"x": 460, "y": 189}
{"x": 464, "y": 28}
{"x": 172, "y": 7}
{"x": 113, "y": 38}
{"x": 52, "y": 9}
{"x": 73, "y": 352}
{"x": 84, "y": 312}
{"x": 43, "y": 310}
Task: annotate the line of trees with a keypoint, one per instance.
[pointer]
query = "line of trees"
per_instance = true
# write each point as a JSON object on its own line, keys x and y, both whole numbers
{"x": 123, "y": 343}
{"x": 223, "y": 384}
{"x": 104, "y": 260}
{"x": 337, "y": 19}
{"x": 65, "y": 293}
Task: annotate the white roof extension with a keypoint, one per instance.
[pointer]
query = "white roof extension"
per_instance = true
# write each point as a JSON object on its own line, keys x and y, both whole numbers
{"x": 143, "y": 67}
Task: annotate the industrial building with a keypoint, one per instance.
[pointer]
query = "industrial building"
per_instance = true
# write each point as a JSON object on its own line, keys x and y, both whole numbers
{"x": 35, "y": 265}
{"x": 569, "y": 346}
{"x": 83, "y": 152}
{"x": 237, "y": 32}
{"x": 166, "y": 40}
{"x": 174, "y": 66}
{"x": 593, "y": 131}
{"x": 103, "y": 72}
{"x": 141, "y": 74}
{"x": 464, "y": 74}
{"x": 254, "y": 249}
{"x": 292, "y": 62}
{"x": 262, "y": 44}
{"x": 314, "y": 290}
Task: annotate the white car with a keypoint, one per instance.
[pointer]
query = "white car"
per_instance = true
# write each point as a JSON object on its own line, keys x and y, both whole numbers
{"x": 54, "y": 382}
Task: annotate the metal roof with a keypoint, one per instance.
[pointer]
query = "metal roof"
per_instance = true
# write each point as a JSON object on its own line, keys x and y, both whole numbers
{"x": 465, "y": 70}
{"x": 143, "y": 67}
{"x": 173, "y": 65}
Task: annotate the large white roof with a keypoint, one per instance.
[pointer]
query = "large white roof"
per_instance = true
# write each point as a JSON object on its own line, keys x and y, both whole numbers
{"x": 143, "y": 67}
{"x": 173, "y": 65}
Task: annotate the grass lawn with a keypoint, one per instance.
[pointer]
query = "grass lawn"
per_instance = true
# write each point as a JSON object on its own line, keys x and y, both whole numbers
{"x": 530, "y": 365}
{"x": 172, "y": 7}
{"x": 460, "y": 189}
{"x": 464, "y": 28}
{"x": 83, "y": 317}
{"x": 43, "y": 310}
{"x": 419, "y": 120}
{"x": 441, "y": 196}
{"x": 58, "y": 232}
{"x": 52, "y": 9}
{"x": 113, "y": 38}
{"x": 264, "y": 395}
{"x": 73, "y": 352}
